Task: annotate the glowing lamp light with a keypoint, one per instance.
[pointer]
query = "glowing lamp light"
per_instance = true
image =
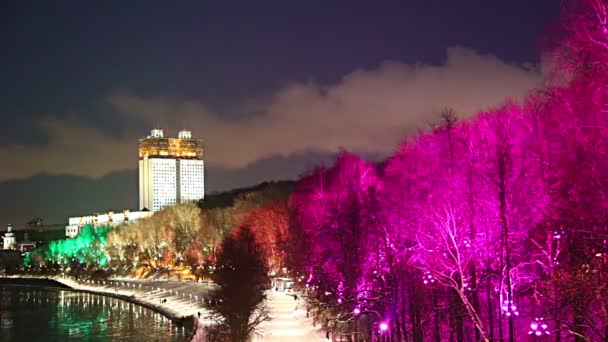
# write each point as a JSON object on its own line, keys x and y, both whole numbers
{"x": 558, "y": 234}
{"x": 428, "y": 278}
{"x": 538, "y": 327}
{"x": 357, "y": 311}
{"x": 383, "y": 326}
{"x": 509, "y": 309}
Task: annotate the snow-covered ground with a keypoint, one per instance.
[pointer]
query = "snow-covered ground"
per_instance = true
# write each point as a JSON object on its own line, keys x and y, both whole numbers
{"x": 178, "y": 299}
{"x": 175, "y": 298}
{"x": 181, "y": 299}
{"x": 288, "y": 321}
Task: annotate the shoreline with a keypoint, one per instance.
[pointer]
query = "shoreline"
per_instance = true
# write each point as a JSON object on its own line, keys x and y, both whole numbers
{"x": 187, "y": 321}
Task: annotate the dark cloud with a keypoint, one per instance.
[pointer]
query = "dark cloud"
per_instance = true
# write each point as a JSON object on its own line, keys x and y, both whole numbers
{"x": 369, "y": 111}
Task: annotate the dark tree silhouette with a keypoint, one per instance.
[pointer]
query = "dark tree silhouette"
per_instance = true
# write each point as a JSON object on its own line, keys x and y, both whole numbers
{"x": 35, "y": 222}
{"x": 237, "y": 303}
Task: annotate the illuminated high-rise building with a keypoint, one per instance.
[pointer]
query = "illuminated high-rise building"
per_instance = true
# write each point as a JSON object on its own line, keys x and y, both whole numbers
{"x": 171, "y": 170}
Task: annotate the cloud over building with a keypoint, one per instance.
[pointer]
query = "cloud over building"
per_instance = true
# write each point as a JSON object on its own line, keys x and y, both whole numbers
{"x": 368, "y": 110}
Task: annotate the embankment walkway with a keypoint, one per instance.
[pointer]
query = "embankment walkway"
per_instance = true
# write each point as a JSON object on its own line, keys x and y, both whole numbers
{"x": 175, "y": 299}
{"x": 181, "y": 300}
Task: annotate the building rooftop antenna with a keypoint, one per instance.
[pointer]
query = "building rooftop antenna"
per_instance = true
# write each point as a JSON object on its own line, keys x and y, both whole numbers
{"x": 184, "y": 126}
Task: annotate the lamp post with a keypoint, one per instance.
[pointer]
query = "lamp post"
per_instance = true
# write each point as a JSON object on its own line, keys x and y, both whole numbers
{"x": 356, "y": 313}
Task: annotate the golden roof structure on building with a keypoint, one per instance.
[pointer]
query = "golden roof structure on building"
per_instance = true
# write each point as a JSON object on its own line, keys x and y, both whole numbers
{"x": 161, "y": 147}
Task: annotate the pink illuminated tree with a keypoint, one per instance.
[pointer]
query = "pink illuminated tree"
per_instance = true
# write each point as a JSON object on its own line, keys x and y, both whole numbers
{"x": 342, "y": 272}
{"x": 495, "y": 227}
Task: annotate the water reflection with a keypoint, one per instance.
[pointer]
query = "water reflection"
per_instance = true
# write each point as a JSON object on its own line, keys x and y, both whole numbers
{"x": 33, "y": 314}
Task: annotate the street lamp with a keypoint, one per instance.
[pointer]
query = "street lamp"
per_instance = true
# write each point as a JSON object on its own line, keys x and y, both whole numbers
{"x": 509, "y": 308}
{"x": 538, "y": 328}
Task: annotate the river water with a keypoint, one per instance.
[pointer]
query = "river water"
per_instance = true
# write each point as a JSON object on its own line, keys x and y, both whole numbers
{"x": 40, "y": 314}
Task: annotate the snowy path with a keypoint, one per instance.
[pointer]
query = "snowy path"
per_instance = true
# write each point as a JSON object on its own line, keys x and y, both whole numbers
{"x": 287, "y": 324}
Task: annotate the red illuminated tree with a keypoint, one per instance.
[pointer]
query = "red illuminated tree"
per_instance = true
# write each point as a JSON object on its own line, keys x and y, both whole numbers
{"x": 270, "y": 224}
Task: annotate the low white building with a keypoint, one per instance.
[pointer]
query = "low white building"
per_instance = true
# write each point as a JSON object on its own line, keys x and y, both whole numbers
{"x": 8, "y": 240}
{"x": 75, "y": 224}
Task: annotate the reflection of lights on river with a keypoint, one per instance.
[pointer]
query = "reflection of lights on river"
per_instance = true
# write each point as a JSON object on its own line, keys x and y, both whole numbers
{"x": 80, "y": 314}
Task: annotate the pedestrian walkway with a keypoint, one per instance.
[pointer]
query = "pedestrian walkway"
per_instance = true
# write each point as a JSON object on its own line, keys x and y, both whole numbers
{"x": 288, "y": 321}
{"x": 182, "y": 302}
{"x": 182, "y": 299}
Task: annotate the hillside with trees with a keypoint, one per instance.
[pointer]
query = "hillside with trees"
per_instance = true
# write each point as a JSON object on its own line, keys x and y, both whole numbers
{"x": 181, "y": 241}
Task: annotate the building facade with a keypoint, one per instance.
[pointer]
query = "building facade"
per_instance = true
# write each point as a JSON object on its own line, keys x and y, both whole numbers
{"x": 75, "y": 224}
{"x": 171, "y": 170}
{"x": 8, "y": 240}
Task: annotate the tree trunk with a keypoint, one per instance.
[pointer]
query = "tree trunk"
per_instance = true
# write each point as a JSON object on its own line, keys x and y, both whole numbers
{"x": 415, "y": 315}
{"x": 475, "y": 298}
{"x": 579, "y": 323}
{"x": 490, "y": 308}
{"x": 474, "y": 316}
{"x": 458, "y": 319}
{"x": 436, "y": 314}
{"x": 403, "y": 295}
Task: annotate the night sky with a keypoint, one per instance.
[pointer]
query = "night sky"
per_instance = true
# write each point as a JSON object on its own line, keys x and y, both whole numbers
{"x": 272, "y": 87}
